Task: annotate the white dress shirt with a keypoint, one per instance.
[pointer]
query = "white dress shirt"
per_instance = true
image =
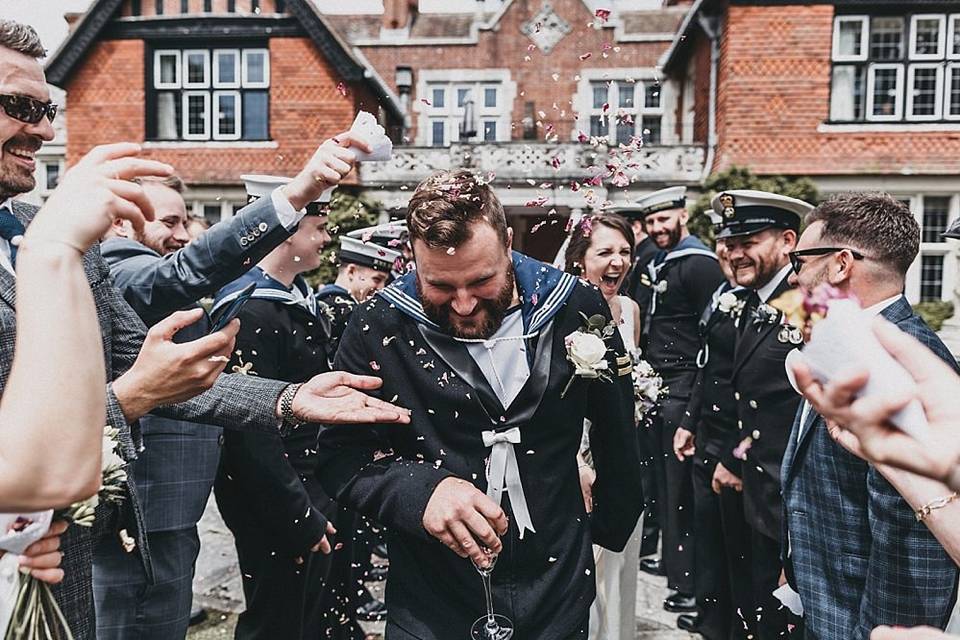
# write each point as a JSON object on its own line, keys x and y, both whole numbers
{"x": 503, "y": 358}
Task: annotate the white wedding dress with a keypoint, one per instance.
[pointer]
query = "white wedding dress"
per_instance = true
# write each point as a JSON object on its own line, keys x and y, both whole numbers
{"x": 613, "y": 614}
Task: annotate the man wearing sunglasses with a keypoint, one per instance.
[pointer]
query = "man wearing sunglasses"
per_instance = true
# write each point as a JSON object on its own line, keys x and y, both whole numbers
{"x": 857, "y": 553}
{"x": 760, "y": 229}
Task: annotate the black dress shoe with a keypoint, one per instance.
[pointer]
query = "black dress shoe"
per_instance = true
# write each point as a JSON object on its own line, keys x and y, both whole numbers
{"x": 197, "y": 616}
{"x": 680, "y": 603}
{"x": 689, "y": 622}
{"x": 381, "y": 551}
{"x": 377, "y": 573}
{"x": 653, "y": 566}
{"x": 372, "y": 611}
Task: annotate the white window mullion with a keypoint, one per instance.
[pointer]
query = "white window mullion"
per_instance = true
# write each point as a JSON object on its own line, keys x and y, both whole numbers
{"x": 911, "y": 92}
{"x": 188, "y": 132}
{"x": 158, "y": 69}
{"x": 898, "y": 90}
{"x": 218, "y": 96}
{"x": 862, "y": 42}
{"x": 940, "y": 19}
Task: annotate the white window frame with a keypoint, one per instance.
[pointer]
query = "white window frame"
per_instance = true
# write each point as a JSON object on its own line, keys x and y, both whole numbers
{"x": 185, "y": 116}
{"x": 482, "y": 100}
{"x": 941, "y": 37}
{"x": 448, "y": 104}
{"x": 447, "y": 139}
{"x": 248, "y": 84}
{"x": 221, "y": 84}
{"x": 946, "y": 91}
{"x": 898, "y": 106}
{"x": 157, "y": 83}
{"x": 184, "y": 72}
{"x": 864, "y": 38}
{"x": 217, "y": 135}
{"x": 638, "y": 111}
{"x": 908, "y": 91}
{"x": 953, "y": 21}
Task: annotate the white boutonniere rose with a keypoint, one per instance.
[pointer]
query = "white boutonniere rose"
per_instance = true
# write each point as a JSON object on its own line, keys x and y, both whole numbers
{"x": 587, "y": 349}
{"x": 587, "y": 352}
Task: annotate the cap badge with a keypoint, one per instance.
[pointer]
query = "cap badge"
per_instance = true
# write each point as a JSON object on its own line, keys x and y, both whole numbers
{"x": 727, "y": 202}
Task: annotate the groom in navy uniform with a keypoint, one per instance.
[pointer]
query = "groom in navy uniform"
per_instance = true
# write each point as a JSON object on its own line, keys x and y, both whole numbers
{"x": 480, "y": 342}
{"x": 760, "y": 229}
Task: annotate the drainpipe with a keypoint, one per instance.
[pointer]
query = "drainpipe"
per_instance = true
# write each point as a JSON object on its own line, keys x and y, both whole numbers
{"x": 711, "y": 27}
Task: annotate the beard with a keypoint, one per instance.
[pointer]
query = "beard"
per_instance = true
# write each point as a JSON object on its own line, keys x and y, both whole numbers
{"x": 482, "y": 323}
{"x": 671, "y": 237}
{"x": 15, "y": 178}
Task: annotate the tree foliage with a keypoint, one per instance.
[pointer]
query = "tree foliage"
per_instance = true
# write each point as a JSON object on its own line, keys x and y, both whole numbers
{"x": 742, "y": 178}
{"x": 348, "y": 211}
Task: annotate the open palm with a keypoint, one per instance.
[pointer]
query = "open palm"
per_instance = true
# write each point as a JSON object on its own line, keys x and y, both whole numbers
{"x": 338, "y": 398}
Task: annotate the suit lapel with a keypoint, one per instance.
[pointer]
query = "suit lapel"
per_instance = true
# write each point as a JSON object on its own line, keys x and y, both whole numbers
{"x": 798, "y": 439}
{"x": 751, "y": 338}
{"x": 457, "y": 357}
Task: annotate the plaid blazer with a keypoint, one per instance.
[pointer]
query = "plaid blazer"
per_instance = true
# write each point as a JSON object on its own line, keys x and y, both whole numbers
{"x": 855, "y": 552}
{"x": 235, "y": 401}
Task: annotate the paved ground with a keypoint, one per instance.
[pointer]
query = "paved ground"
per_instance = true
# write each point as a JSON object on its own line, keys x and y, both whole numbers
{"x": 217, "y": 589}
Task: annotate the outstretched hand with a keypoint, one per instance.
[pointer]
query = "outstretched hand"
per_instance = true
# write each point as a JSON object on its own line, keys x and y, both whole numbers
{"x": 338, "y": 397}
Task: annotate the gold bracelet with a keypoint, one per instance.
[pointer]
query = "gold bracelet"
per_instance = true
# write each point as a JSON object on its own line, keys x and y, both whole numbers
{"x": 933, "y": 505}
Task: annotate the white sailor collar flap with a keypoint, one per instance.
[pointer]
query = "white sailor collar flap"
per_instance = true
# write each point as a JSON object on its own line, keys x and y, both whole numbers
{"x": 267, "y": 289}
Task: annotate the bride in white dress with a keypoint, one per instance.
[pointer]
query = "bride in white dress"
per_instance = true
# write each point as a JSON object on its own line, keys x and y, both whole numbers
{"x": 601, "y": 251}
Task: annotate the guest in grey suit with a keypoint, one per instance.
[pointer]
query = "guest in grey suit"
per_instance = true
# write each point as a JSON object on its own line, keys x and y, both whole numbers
{"x": 157, "y": 273}
{"x": 139, "y": 363}
{"x": 857, "y": 553}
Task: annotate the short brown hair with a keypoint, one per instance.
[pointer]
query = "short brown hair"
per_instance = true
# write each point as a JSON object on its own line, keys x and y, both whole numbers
{"x": 582, "y": 232}
{"x": 445, "y": 205}
{"x": 879, "y": 224}
{"x": 174, "y": 182}
{"x": 21, "y": 37}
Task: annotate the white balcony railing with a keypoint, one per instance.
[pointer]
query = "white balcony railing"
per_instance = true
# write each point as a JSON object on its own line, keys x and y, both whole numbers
{"x": 515, "y": 162}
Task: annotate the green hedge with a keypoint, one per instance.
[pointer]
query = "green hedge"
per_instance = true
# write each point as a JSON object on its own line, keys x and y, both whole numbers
{"x": 934, "y": 313}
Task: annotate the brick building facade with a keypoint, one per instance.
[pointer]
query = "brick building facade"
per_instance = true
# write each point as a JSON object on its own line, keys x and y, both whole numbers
{"x": 856, "y": 95}
{"x": 213, "y": 88}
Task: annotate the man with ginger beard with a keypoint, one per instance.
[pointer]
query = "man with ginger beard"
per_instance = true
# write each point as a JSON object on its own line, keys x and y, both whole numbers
{"x": 475, "y": 341}
{"x": 759, "y": 230}
{"x": 683, "y": 276}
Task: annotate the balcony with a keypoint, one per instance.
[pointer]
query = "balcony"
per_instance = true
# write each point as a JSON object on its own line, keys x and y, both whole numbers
{"x": 518, "y": 162}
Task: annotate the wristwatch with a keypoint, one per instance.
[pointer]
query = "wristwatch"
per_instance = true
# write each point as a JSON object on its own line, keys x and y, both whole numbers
{"x": 286, "y": 403}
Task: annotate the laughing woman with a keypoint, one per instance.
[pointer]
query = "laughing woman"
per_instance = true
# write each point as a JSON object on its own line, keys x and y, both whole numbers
{"x": 601, "y": 252}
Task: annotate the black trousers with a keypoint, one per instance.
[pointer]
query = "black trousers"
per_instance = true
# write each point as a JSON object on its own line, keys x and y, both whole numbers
{"x": 675, "y": 493}
{"x": 769, "y": 617}
{"x": 736, "y": 542}
{"x": 711, "y": 577}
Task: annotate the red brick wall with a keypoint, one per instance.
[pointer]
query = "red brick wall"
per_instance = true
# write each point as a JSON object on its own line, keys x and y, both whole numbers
{"x": 305, "y": 108}
{"x": 506, "y": 47}
{"x": 775, "y": 91}
{"x": 701, "y": 89}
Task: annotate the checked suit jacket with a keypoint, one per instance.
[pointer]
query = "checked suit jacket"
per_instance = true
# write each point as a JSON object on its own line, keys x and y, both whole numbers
{"x": 235, "y": 401}
{"x": 852, "y": 547}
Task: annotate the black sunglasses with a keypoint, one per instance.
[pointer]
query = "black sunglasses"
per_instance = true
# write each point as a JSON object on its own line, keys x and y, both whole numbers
{"x": 796, "y": 257}
{"x": 27, "y": 109}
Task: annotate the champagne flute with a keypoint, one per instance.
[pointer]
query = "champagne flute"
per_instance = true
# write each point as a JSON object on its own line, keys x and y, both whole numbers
{"x": 492, "y": 626}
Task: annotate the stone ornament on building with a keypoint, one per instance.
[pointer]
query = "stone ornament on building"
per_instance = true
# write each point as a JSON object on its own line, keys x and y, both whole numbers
{"x": 546, "y": 28}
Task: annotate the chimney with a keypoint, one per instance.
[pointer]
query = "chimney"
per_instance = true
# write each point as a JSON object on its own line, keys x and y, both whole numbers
{"x": 72, "y": 18}
{"x": 397, "y": 14}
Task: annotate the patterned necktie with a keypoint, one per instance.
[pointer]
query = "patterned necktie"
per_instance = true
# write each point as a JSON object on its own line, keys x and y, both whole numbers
{"x": 746, "y": 316}
{"x": 11, "y": 230}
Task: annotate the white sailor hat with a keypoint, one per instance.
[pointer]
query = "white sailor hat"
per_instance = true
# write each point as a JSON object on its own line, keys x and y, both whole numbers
{"x": 258, "y": 186}
{"x": 742, "y": 212}
{"x": 953, "y": 231}
{"x": 662, "y": 200}
{"x": 390, "y": 234}
{"x": 367, "y": 254}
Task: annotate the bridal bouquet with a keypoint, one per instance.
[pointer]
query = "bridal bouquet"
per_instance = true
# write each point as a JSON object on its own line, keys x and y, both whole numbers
{"x": 647, "y": 388}
{"x": 36, "y": 614}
